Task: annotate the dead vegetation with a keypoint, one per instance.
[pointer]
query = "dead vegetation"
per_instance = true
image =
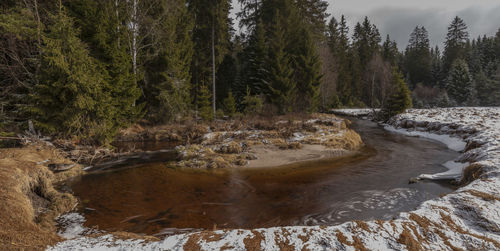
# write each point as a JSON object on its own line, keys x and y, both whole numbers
{"x": 471, "y": 173}
{"x": 230, "y": 143}
{"x": 29, "y": 200}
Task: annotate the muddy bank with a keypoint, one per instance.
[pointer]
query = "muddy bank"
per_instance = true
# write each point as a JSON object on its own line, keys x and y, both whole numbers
{"x": 29, "y": 201}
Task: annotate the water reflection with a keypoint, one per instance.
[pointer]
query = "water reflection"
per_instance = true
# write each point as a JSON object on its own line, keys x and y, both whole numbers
{"x": 153, "y": 199}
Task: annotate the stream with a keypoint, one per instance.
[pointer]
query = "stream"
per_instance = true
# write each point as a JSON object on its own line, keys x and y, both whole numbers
{"x": 146, "y": 197}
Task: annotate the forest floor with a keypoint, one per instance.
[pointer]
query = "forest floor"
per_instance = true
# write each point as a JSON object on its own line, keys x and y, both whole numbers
{"x": 466, "y": 219}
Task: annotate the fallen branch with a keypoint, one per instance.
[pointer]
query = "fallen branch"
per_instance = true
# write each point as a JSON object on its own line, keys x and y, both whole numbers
{"x": 9, "y": 138}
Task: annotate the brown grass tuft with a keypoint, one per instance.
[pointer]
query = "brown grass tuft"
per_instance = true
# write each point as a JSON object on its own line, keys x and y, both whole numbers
{"x": 483, "y": 195}
{"x": 471, "y": 173}
{"x": 29, "y": 201}
{"x": 406, "y": 238}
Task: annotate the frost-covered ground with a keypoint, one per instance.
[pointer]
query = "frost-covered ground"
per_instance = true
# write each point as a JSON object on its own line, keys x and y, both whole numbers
{"x": 468, "y": 218}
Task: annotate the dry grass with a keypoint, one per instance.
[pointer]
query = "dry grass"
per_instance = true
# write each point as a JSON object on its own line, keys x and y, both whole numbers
{"x": 29, "y": 201}
{"x": 407, "y": 239}
{"x": 254, "y": 242}
{"x": 230, "y": 142}
{"x": 471, "y": 173}
{"x": 451, "y": 224}
{"x": 484, "y": 196}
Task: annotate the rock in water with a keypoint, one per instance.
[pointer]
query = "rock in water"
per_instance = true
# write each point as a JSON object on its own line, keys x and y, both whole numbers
{"x": 60, "y": 167}
{"x": 413, "y": 180}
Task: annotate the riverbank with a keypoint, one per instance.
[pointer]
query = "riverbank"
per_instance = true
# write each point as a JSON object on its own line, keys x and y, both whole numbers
{"x": 29, "y": 199}
{"x": 465, "y": 219}
{"x": 269, "y": 142}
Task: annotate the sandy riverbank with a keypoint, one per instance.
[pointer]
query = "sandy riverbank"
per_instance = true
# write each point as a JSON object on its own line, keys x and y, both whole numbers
{"x": 270, "y": 156}
{"x": 269, "y": 143}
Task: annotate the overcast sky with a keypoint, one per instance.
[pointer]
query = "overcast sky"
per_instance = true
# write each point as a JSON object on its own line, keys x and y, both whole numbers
{"x": 398, "y": 17}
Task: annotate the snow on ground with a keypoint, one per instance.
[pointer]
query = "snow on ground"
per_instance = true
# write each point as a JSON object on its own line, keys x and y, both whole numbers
{"x": 361, "y": 112}
{"x": 468, "y": 218}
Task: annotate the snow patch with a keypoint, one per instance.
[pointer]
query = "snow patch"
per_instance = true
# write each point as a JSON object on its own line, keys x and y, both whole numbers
{"x": 453, "y": 143}
{"x": 455, "y": 170}
{"x": 467, "y": 219}
{"x": 71, "y": 226}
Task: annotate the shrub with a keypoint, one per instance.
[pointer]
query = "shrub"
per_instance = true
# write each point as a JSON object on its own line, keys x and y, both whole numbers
{"x": 253, "y": 104}
{"x": 399, "y": 100}
{"x": 204, "y": 105}
{"x": 230, "y": 105}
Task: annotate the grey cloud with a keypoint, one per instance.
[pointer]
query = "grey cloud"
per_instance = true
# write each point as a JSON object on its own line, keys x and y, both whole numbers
{"x": 399, "y": 22}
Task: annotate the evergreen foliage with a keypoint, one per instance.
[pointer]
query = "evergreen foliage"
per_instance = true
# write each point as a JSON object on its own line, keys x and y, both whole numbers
{"x": 252, "y": 103}
{"x": 90, "y": 67}
{"x": 230, "y": 105}
{"x": 400, "y": 99}
{"x": 456, "y": 40}
{"x": 418, "y": 58}
{"x": 72, "y": 97}
{"x": 459, "y": 85}
{"x": 281, "y": 84}
{"x": 204, "y": 104}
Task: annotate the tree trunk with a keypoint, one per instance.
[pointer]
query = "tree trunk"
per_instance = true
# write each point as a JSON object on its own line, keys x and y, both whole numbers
{"x": 134, "y": 41}
{"x": 213, "y": 66}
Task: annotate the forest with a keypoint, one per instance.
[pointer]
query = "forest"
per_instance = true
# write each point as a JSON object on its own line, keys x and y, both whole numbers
{"x": 84, "y": 69}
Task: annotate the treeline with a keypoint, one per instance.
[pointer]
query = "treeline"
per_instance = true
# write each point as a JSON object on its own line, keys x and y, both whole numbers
{"x": 467, "y": 73}
{"x": 86, "y": 68}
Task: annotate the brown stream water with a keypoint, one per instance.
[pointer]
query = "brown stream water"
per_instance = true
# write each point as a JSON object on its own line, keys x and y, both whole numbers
{"x": 150, "y": 198}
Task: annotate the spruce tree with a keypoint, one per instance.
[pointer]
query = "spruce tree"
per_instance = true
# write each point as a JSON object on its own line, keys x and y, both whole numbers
{"x": 497, "y": 44}
{"x": 418, "y": 57}
{"x": 170, "y": 72}
{"x": 436, "y": 73}
{"x": 390, "y": 51}
{"x": 313, "y": 13}
{"x": 72, "y": 97}
{"x": 308, "y": 74}
{"x": 230, "y": 105}
{"x": 456, "y": 40}
{"x": 257, "y": 53}
{"x": 252, "y": 103}
{"x": 280, "y": 79}
{"x": 204, "y": 104}
{"x": 400, "y": 99}
{"x": 459, "y": 82}
{"x": 211, "y": 24}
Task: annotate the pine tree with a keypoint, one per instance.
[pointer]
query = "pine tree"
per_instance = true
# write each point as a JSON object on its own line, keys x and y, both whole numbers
{"x": 252, "y": 103}
{"x": 333, "y": 35}
{"x": 497, "y": 44}
{"x": 308, "y": 74}
{"x": 390, "y": 51}
{"x": 418, "y": 57}
{"x": 456, "y": 40}
{"x": 249, "y": 13}
{"x": 436, "y": 73}
{"x": 169, "y": 72}
{"x": 400, "y": 99}
{"x": 459, "y": 82}
{"x": 280, "y": 80}
{"x": 19, "y": 62}
{"x": 72, "y": 97}
{"x": 257, "y": 52}
{"x": 342, "y": 51}
{"x": 313, "y": 12}
{"x": 230, "y": 105}
{"x": 204, "y": 104}
{"x": 211, "y": 24}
